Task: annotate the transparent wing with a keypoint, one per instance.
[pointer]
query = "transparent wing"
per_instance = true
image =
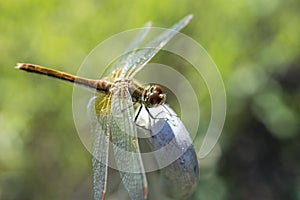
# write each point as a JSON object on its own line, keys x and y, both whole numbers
{"x": 133, "y": 46}
{"x": 100, "y": 130}
{"x": 126, "y": 147}
{"x": 143, "y": 56}
{"x": 137, "y": 40}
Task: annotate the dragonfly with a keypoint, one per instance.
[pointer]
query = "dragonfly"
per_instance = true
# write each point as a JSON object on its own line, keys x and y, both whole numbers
{"x": 112, "y": 110}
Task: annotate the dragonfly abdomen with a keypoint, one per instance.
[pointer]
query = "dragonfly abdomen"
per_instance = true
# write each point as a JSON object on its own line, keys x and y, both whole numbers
{"x": 101, "y": 86}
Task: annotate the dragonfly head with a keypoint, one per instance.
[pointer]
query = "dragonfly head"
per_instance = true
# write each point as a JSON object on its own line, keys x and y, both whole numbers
{"x": 154, "y": 96}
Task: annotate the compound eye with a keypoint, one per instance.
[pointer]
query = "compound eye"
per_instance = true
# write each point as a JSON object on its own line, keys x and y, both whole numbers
{"x": 154, "y": 99}
{"x": 157, "y": 88}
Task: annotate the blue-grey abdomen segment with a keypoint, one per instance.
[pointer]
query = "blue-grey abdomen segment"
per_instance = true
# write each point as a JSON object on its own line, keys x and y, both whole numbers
{"x": 180, "y": 178}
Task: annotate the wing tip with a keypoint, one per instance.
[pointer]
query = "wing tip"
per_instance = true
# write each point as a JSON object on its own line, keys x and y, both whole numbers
{"x": 148, "y": 24}
{"x": 145, "y": 191}
{"x": 188, "y": 18}
{"x": 103, "y": 195}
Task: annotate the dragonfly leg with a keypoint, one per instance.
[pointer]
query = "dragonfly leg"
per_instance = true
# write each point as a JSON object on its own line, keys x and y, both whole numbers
{"x": 137, "y": 115}
{"x": 164, "y": 118}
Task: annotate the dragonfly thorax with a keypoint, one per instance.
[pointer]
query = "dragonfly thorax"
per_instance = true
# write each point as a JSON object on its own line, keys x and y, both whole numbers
{"x": 153, "y": 96}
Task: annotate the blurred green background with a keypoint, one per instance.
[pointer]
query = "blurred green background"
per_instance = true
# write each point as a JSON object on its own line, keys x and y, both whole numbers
{"x": 254, "y": 43}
